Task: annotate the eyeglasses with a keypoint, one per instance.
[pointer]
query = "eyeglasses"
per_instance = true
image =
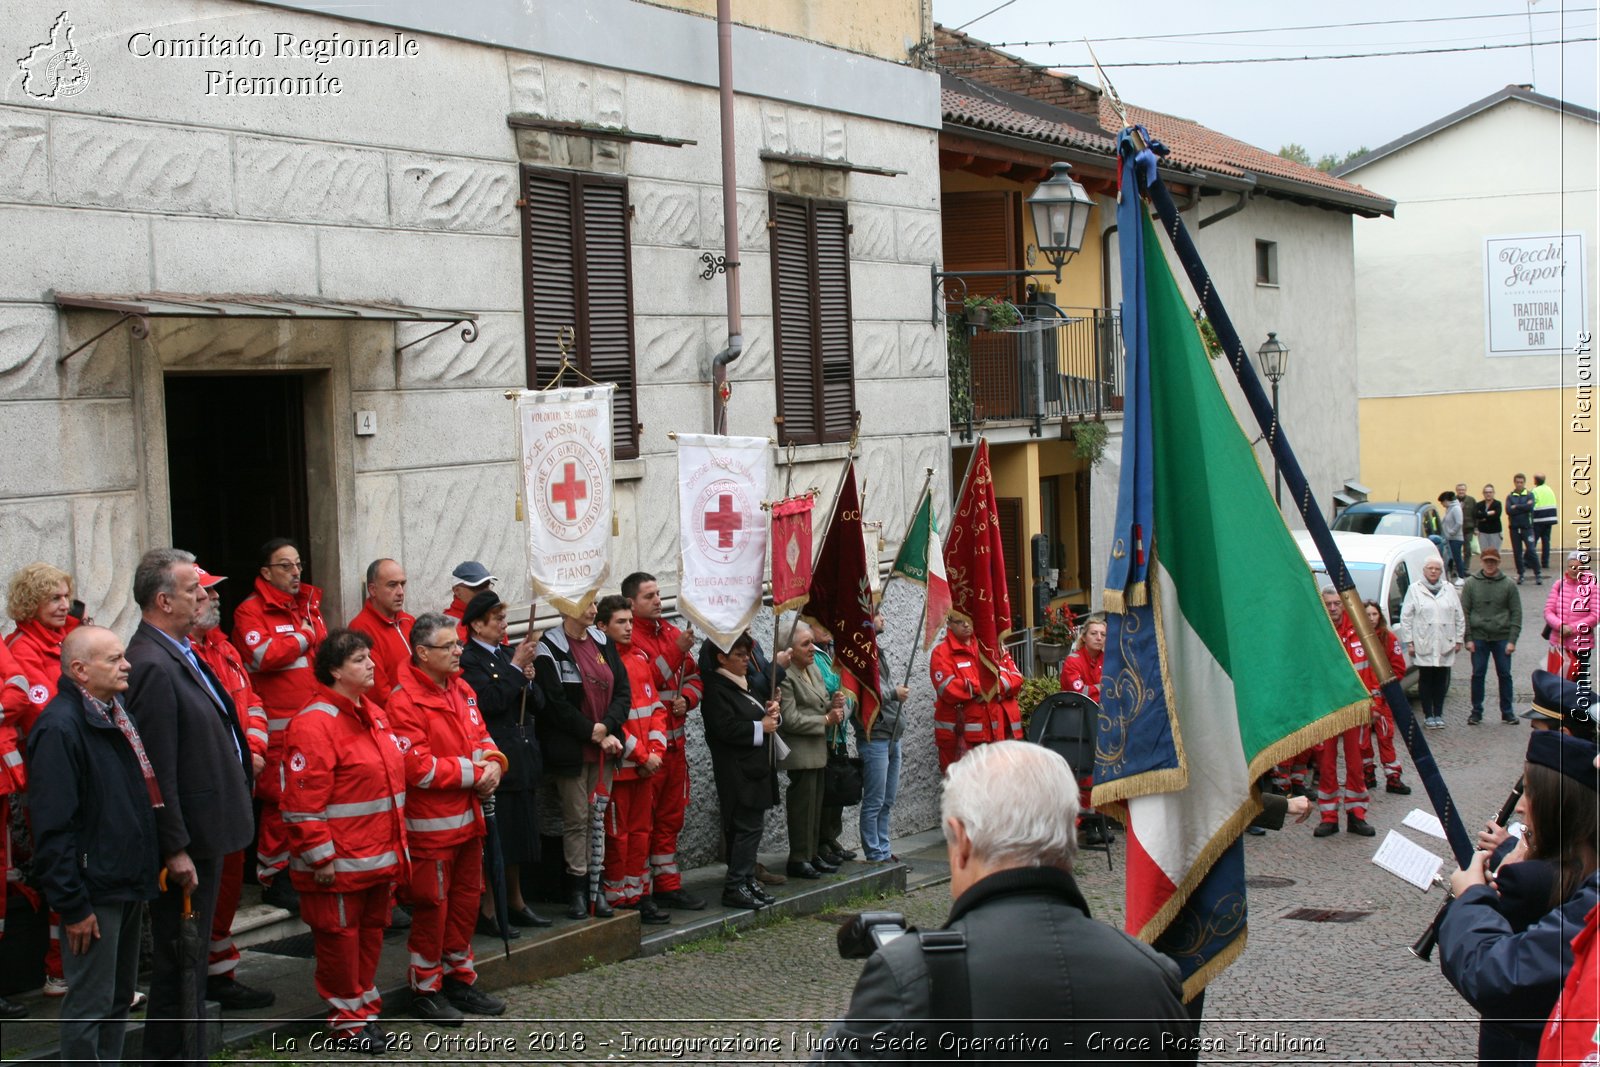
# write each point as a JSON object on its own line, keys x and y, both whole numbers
{"x": 451, "y": 647}
{"x": 287, "y": 565}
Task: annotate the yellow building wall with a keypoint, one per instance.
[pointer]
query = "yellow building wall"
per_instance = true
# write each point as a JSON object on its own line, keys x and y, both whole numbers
{"x": 1415, "y": 447}
{"x": 885, "y": 28}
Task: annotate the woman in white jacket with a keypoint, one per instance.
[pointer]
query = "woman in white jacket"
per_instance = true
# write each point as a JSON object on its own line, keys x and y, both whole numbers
{"x": 1433, "y": 625}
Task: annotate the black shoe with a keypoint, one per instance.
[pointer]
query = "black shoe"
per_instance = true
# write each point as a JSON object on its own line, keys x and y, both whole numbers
{"x": 602, "y": 907}
{"x": 376, "y": 1030}
{"x": 760, "y": 893}
{"x": 1509, "y": 719}
{"x": 842, "y": 853}
{"x": 801, "y": 869}
{"x": 280, "y": 894}
{"x": 234, "y": 995}
{"x": 1358, "y": 826}
{"x": 826, "y": 866}
{"x": 434, "y": 1008}
{"x": 766, "y": 877}
{"x": 367, "y": 1040}
{"x": 1398, "y": 788}
{"x": 577, "y": 896}
{"x": 488, "y": 927}
{"x": 650, "y": 914}
{"x": 1372, "y": 779}
{"x": 400, "y": 917}
{"x": 741, "y": 898}
{"x": 1255, "y": 831}
{"x": 10, "y": 1009}
{"x": 828, "y": 856}
{"x": 1475, "y": 719}
{"x": 526, "y": 916}
{"x": 680, "y": 899}
{"x": 469, "y": 998}
{"x": 1325, "y": 829}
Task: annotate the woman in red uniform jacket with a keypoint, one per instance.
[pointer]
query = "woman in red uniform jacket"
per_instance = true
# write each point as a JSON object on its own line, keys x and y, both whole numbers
{"x": 1080, "y": 672}
{"x": 343, "y": 783}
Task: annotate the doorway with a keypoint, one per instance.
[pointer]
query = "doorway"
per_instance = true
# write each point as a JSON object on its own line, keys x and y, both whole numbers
{"x": 236, "y": 469}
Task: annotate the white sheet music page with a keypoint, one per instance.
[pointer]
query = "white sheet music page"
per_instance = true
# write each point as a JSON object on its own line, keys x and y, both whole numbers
{"x": 1404, "y": 858}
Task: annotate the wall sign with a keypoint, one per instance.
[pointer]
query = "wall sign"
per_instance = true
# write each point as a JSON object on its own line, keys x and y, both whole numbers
{"x": 1534, "y": 293}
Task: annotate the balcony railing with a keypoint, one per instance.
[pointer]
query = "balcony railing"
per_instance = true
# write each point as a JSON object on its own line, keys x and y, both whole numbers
{"x": 1057, "y": 363}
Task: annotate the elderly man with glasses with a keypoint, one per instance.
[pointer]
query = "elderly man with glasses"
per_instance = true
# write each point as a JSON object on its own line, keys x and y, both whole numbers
{"x": 278, "y": 629}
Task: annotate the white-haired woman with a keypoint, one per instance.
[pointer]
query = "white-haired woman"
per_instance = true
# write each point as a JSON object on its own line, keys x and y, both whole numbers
{"x": 1433, "y": 625}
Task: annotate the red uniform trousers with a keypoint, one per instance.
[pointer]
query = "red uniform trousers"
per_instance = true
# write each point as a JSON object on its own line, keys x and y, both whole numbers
{"x": 1382, "y": 734}
{"x": 628, "y": 823}
{"x": 347, "y": 930}
{"x": 1355, "y": 783}
{"x": 224, "y": 956}
{"x": 443, "y": 897}
{"x": 671, "y": 799}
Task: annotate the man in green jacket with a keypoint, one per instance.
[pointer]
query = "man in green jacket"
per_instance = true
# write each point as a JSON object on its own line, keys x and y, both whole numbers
{"x": 1494, "y": 620}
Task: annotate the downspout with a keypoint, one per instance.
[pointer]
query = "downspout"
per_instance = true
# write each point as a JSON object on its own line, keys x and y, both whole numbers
{"x": 1236, "y": 207}
{"x": 730, "y": 223}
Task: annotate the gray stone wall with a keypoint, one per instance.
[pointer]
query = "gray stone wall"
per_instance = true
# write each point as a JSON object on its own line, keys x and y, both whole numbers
{"x": 403, "y": 189}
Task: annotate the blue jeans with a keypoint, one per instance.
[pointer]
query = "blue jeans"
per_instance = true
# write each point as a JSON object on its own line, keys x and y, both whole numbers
{"x": 1459, "y": 566}
{"x": 880, "y": 780}
{"x": 1524, "y": 550}
{"x": 1481, "y": 651}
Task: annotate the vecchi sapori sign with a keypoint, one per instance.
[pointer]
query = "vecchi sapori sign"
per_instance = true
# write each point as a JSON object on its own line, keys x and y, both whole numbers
{"x": 1534, "y": 293}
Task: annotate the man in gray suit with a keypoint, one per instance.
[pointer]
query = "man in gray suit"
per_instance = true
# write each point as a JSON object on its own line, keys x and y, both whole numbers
{"x": 201, "y": 760}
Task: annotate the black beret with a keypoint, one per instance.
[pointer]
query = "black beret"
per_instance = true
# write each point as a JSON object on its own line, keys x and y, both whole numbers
{"x": 478, "y": 607}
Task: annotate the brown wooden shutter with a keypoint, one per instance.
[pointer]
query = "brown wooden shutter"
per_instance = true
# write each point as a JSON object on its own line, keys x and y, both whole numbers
{"x": 577, "y": 273}
{"x": 838, "y": 393}
{"x": 982, "y": 231}
{"x": 1009, "y": 509}
{"x": 811, "y": 319}
{"x": 608, "y": 310}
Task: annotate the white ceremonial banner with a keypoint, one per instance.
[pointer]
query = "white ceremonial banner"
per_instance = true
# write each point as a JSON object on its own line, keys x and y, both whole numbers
{"x": 564, "y": 443}
{"x": 722, "y": 538}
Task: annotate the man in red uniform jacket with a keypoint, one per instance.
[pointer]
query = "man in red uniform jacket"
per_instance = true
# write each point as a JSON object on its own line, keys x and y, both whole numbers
{"x": 677, "y": 682}
{"x": 218, "y": 653}
{"x": 958, "y": 717}
{"x": 644, "y": 748}
{"x": 1355, "y": 779}
{"x": 384, "y": 619}
{"x": 1080, "y": 672}
{"x": 468, "y": 580}
{"x": 277, "y": 630}
{"x": 451, "y": 762}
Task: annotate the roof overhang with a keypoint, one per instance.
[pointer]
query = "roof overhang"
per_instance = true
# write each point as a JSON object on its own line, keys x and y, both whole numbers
{"x": 141, "y": 307}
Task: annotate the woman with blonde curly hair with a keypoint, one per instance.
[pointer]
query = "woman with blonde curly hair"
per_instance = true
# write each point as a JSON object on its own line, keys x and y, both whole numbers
{"x": 40, "y": 599}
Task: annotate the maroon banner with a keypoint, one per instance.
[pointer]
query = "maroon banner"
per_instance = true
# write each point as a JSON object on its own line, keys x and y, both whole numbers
{"x": 840, "y": 599}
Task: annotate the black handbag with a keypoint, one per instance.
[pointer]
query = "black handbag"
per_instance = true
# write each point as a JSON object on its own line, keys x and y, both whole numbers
{"x": 841, "y": 778}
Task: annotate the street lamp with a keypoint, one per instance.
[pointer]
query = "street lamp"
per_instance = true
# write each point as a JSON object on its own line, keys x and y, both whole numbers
{"x": 1274, "y": 358}
{"x": 1060, "y": 209}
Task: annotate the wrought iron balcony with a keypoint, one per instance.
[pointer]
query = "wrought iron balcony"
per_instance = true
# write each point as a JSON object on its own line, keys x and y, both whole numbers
{"x": 1057, "y": 363}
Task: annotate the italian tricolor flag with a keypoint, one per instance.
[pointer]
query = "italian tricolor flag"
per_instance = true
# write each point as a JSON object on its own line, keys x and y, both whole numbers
{"x": 1220, "y": 659}
{"x": 921, "y": 560}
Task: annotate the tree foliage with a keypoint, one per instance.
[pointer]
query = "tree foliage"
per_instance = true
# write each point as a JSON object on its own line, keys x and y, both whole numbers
{"x": 1328, "y": 162}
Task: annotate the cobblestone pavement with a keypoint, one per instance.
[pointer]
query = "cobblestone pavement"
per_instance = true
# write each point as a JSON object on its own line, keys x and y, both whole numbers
{"x": 1303, "y": 992}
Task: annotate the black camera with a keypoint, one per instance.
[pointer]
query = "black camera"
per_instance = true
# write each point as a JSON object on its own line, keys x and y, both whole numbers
{"x": 868, "y": 932}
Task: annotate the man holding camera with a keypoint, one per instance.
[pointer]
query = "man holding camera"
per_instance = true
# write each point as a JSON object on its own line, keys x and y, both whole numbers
{"x": 1019, "y": 971}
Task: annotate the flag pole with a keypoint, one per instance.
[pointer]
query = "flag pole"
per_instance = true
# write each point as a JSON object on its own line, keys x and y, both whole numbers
{"x": 1316, "y": 525}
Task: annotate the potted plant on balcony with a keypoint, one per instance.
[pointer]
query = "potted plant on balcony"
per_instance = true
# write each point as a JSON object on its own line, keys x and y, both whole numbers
{"x": 989, "y": 313}
{"x": 1055, "y": 636}
{"x": 1089, "y": 441}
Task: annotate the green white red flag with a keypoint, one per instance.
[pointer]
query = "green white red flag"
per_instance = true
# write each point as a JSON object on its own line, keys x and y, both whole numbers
{"x": 921, "y": 560}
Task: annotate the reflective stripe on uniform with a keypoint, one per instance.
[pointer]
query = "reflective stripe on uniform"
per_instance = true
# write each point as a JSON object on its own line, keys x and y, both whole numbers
{"x": 443, "y": 822}
{"x": 318, "y": 853}
{"x": 318, "y": 706}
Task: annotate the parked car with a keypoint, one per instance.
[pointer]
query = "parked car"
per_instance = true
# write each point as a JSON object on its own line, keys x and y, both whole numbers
{"x": 1382, "y": 566}
{"x": 1397, "y": 517}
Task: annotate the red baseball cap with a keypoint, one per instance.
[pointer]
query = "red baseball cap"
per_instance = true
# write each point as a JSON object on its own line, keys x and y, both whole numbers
{"x": 207, "y": 580}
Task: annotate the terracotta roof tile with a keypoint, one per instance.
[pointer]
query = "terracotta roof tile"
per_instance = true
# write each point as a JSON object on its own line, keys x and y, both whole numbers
{"x": 987, "y": 110}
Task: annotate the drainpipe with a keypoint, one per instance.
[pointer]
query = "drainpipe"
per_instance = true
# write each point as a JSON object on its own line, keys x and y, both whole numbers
{"x": 730, "y": 222}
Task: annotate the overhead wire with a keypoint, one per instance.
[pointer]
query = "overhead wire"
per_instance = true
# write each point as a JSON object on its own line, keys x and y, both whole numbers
{"x": 1271, "y": 59}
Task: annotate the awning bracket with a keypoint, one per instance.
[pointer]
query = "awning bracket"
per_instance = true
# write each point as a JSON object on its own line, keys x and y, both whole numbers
{"x": 469, "y": 334}
{"x": 140, "y": 329}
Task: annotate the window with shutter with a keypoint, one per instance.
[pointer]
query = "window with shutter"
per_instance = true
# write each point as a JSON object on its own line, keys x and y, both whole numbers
{"x": 811, "y": 317}
{"x": 983, "y": 231}
{"x": 576, "y": 272}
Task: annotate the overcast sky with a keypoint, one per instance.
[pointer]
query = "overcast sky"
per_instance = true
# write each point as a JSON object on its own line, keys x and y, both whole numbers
{"x": 1327, "y": 106}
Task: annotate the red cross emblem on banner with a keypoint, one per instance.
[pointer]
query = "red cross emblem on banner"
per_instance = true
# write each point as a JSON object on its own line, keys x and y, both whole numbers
{"x": 569, "y": 490}
{"x": 724, "y": 521}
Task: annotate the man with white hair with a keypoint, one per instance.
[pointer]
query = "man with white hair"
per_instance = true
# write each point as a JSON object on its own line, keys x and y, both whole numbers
{"x": 1019, "y": 971}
